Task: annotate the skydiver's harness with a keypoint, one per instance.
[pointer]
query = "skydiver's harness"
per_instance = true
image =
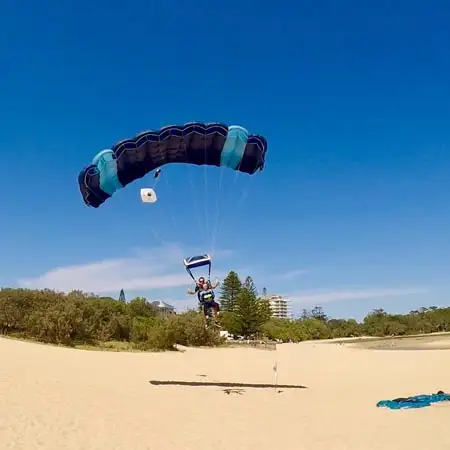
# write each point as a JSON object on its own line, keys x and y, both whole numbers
{"x": 206, "y": 297}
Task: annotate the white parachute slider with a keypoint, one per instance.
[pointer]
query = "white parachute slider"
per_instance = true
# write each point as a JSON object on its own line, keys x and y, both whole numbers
{"x": 148, "y": 195}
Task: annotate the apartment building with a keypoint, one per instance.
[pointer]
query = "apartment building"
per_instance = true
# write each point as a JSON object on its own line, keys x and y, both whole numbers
{"x": 280, "y": 307}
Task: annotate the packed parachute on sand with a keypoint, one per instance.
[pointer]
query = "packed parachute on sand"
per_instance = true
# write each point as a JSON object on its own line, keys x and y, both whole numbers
{"x": 416, "y": 401}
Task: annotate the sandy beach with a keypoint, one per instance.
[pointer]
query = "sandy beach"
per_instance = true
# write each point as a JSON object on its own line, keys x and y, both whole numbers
{"x": 59, "y": 398}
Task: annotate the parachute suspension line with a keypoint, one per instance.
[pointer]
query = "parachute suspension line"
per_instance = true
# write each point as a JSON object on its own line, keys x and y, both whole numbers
{"x": 236, "y": 208}
{"x": 156, "y": 177}
{"x": 217, "y": 215}
{"x": 228, "y": 197}
{"x": 243, "y": 196}
{"x": 194, "y": 196}
{"x": 157, "y": 236}
{"x": 205, "y": 203}
{"x": 174, "y": 222}
{"x": 275, "y": 369}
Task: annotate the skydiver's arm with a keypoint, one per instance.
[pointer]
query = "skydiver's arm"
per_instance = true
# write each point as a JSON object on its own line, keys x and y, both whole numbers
{"x": 190, "y": 291}
{"x": 215, "y": 284}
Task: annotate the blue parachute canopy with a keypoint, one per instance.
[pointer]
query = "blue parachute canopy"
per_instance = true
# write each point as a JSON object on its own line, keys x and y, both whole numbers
{"x": 212, "y": 144}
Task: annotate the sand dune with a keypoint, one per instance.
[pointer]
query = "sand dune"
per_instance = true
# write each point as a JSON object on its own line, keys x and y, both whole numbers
{"x": 58, "y": 398}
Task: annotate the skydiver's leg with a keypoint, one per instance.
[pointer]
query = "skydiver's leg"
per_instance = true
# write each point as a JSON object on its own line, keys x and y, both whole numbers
{"x": 216, "y": 307}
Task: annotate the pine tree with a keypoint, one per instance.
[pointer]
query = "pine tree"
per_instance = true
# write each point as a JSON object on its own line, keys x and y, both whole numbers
{"x": 305, "y": 315}
{"x": 246, "y": 309}
{"x": 250, "y": 286}
{"x": 318, "y": 313}
{"x": 229, "y": 291}
{"x": 265, "y": 311}
{"x": 122, "y": 296}
{"x": 251, "y": 311}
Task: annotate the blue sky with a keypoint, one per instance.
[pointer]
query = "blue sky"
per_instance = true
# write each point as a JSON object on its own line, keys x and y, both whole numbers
{"x": 352, "y": 211}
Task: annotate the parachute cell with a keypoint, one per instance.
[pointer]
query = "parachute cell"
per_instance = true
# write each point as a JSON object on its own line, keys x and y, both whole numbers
{"x": 197, "y": 261}
{"x": 213, "y": 144}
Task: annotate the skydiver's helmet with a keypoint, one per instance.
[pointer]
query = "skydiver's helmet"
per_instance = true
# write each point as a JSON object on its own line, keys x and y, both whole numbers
{"x": 201, "y": 281}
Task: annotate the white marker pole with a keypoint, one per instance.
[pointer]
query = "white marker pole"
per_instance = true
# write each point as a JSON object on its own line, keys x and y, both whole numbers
{"x": 275, "y": 369}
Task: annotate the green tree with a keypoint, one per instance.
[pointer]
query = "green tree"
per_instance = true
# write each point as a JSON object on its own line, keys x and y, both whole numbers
{"x": 140, "y": 307}
{"x": 374, "y": 322}
{"x": 79, "y": 317}
{"x": 229, "y": 321}
{"x": 305, "y": 314}
{"x": 317, "y": 313}
{"x": 251, "y": 312}
{"x": 250, "y": 286}
{"x": 315, "y": 328}
{"x": 264, "y": 309}
{"x": 340, "y": 328}
{"x": 231, "y": 287}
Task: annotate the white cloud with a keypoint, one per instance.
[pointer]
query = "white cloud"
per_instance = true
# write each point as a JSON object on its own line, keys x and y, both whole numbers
{"x": 322, "y": 296}
{"x": 159, "y": 269}
{"x": 291, "y": 274}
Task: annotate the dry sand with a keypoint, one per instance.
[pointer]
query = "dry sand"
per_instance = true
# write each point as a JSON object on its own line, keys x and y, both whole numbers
{"x": 435, "y": 341}
{"x": 58, "y": 398}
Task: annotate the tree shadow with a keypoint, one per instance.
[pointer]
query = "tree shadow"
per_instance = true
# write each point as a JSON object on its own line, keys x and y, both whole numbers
{"x": 225, "y": 384}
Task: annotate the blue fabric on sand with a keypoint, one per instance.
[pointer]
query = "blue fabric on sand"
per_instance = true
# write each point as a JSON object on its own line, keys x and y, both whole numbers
{"x": 417, "y": 401}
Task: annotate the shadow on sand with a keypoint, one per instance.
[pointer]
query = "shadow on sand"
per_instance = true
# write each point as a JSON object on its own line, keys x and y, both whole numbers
{"x": 225, "y": 384}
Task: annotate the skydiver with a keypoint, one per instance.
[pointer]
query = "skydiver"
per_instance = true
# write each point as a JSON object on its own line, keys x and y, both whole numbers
{"x": 198, "y": 286}
{"x": 206, "y": 299}
{"x": 205, "y": 295}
